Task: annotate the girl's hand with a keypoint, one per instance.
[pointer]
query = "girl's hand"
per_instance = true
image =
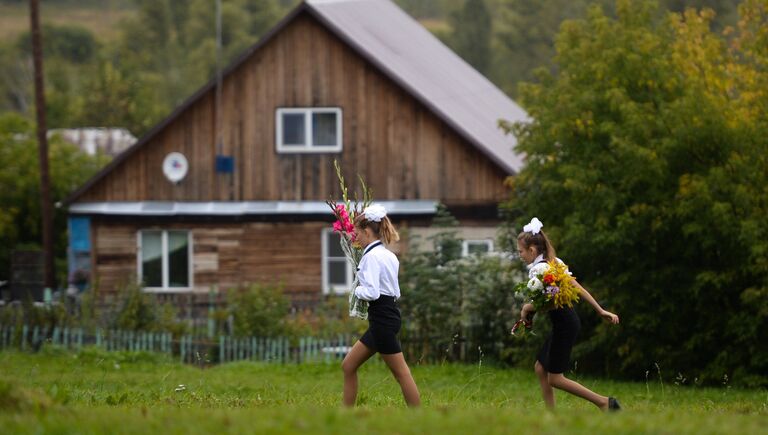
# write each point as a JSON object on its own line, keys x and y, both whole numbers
{"x": 609, "y": 316}
{"x": 526, "y": 312}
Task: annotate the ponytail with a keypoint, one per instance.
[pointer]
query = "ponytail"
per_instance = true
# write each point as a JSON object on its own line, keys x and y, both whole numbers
{"x": 384, "y": 229}
{"x": 388, "y": 232}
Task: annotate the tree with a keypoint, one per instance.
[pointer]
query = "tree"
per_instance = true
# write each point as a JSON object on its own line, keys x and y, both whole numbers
{"x": 74, "y": 43}
{"x": 471, "y": 36}
{"x": 20, "y": 186}
{"x": 177, "y": 40}
{"x": 646, "y": 162}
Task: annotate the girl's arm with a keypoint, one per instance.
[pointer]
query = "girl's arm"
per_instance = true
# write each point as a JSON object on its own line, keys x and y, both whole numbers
{"x": 607, "y": 315}
{"x": 369, "y": 280}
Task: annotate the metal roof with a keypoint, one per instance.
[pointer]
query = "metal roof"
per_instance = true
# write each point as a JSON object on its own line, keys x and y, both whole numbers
{"x": 237, "y": 208}
{"x": 407, "y": 52}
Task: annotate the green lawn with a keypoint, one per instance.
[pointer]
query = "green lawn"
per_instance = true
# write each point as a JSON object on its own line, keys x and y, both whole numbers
{"x": 99, "y": 392}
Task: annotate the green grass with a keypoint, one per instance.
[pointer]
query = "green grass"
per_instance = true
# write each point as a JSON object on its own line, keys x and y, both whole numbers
{"x": 98, "y": 392}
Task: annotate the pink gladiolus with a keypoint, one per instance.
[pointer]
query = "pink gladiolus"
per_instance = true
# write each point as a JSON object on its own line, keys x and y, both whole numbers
{"x": 342, "y": 211}
{"x": 337, "y": 226}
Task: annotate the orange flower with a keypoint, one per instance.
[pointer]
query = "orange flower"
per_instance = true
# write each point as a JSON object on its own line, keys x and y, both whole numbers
{"x": 549, "y": 278}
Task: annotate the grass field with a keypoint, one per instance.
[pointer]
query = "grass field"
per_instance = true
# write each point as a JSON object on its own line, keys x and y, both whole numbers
{"x": 98, "y": 392}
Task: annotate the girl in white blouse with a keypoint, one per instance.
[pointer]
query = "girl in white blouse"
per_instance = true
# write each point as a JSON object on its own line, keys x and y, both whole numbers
{"x": 377, "y": 275}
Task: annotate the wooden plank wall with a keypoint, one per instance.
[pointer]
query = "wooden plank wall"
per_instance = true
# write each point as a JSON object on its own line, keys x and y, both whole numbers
{"x": 226, "y": 255}
{"x": 400, "y": 147}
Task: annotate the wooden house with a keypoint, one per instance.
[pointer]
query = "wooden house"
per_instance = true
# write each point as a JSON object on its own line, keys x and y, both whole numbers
{"x": 242, "y": 197}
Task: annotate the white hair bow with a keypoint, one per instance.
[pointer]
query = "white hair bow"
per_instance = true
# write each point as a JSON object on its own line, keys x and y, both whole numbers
{"x": 375, "y": 212}
{"x": 533, "y": 227}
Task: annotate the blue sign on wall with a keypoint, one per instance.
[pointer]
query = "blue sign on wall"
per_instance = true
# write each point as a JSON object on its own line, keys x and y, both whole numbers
{"x": 80, "y": 234}
{"x": 225, "y": 164}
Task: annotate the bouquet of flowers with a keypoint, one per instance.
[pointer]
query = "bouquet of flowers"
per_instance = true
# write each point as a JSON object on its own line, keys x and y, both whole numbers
{"x": 345, "y": 213}
{"x": 550, "y": 286}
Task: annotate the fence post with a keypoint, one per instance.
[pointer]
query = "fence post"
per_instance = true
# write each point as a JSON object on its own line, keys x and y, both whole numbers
{"x": 221, "y": 349}
{"x": 211, "y": 322}
{"x": 24, "y": 331}
{"x": 35, "y": 335}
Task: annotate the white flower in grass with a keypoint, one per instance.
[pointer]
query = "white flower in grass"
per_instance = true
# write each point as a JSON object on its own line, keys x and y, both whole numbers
{"x": 535, "y": 284}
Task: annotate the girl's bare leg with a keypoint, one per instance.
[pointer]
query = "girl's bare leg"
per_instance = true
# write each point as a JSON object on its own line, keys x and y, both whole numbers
{"x": 546, "y": 389}
{"x": 354, "y": 359}
{"x": 398, "y": 366}
{"x": 562, "y": 383}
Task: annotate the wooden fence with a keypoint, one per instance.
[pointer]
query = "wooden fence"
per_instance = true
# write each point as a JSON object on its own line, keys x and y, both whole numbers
{"x": 203, "y": 350}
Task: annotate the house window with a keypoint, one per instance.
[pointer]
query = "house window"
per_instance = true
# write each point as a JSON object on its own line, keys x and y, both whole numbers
{"x": 337, "y": 272}
{"x": 476, "y": 247}
{"x": 165, "y": 259}
{"x": 308, "y": 130}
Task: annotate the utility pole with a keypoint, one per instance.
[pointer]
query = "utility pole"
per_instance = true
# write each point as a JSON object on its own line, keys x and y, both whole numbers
{"x": 46, "y": 208}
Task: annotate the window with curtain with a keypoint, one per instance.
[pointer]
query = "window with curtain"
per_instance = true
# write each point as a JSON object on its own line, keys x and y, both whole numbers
{"x": 337, "y": 273}
{"x": 165, "y": 258}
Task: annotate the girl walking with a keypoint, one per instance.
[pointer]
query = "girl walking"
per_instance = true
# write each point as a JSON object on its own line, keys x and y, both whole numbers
{"x": 377, "y": 276}
{"x": 553, "y": 359}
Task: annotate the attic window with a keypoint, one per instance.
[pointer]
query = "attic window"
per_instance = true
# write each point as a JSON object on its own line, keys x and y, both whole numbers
{"x": 308, "y": 130}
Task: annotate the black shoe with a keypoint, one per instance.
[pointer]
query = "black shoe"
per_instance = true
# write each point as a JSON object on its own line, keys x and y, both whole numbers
{"x": 613, "y": 405}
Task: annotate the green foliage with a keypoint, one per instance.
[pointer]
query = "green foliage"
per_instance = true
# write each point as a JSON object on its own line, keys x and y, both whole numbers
{"x": 73, "y": 43}
{"x": 329, "y": 318}
{"x": 447, "y": 296}
{"x": 176, "y": 41}
{"x": 646, "y": 162}
{"x": 120, "y": 96}
{"x": 20, "y": 185}
{"x": 471, "y": 36}
{"x": 258, "y": 310}
{"x": 140, "y": 311}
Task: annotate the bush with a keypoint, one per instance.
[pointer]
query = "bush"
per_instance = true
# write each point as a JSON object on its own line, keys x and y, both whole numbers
{"x": 258, "y": 310}
{"x": 139, "y": 311}
{"x": 448, "y": 297}
{"x": 328, "y": 318}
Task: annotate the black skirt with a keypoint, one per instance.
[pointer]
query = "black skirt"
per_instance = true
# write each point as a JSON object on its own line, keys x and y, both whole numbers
{"x": 555, "y": 355}
{"x": 383, "y": 325}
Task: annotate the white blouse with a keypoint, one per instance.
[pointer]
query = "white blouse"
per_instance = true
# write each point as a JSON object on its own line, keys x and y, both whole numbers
{"x": 377, "y": 273}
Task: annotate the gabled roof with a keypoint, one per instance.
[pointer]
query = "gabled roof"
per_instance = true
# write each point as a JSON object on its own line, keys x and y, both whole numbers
{"x": 407, "y": 53}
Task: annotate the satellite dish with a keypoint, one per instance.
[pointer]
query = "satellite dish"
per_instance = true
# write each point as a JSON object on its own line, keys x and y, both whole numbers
{"x": 175, "y": 167}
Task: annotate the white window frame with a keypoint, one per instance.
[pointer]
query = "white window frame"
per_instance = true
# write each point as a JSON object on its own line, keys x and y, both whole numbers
{"x": 327, "y": 287}
{"x": 164, "y": 247}
{"x": 308, "y": 147}
{"x": 465, "y": 245}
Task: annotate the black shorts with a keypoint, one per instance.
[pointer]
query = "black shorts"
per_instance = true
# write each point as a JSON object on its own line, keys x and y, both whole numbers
{"x": 555, "y": 355}
{"x": 383, "y": 325}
